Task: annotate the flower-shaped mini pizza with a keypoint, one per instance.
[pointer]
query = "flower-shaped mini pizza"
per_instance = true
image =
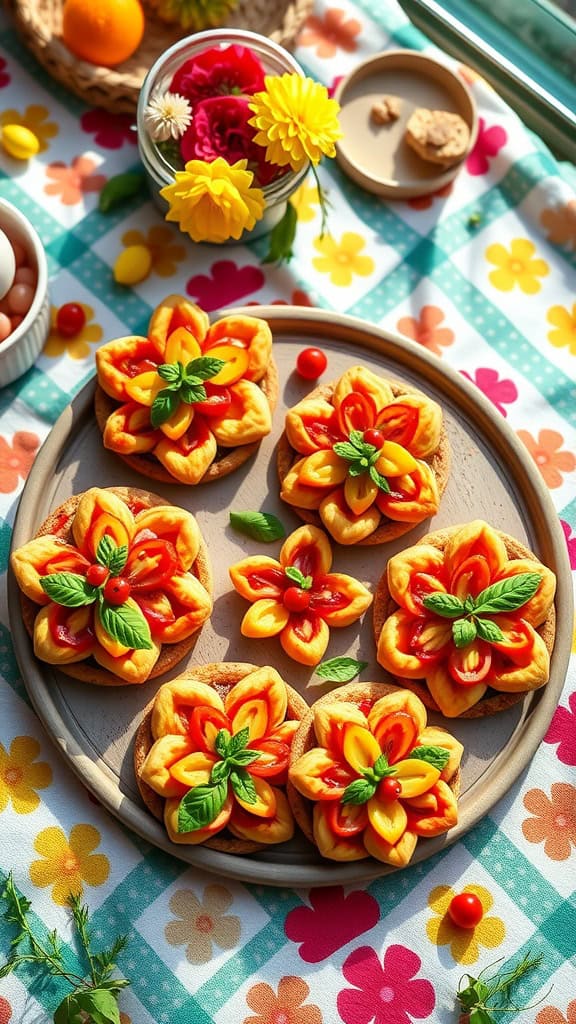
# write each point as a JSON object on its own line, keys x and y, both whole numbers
{"x": 297, "y": 598}
{"x": 123, "y": 584}
{"x": 212, "y": 754}
{"x": 190, "y": 402}
{"x": 374, "y": 776}
{"x": 465, "y": 612}
{"x": 365, "y": 457}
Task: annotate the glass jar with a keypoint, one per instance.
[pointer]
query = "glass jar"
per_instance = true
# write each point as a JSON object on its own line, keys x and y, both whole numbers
{"x": 275, "y": 60}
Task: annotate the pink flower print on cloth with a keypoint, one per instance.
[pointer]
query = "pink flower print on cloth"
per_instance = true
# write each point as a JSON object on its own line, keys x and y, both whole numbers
{"x": 488, "y": 144}
{"x": 224, "y": 285}
{"x": 550, "y": 457}
{"x": 570, "y": 542}
{"x": 387, "y": 993}
{"x": 562, "y": 730}
{"x": 331, "y": 922}
{"x": 110, "y": 131}
{"x": 498, "y": 391}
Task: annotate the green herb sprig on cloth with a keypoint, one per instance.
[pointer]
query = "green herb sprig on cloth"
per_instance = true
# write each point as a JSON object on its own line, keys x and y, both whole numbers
{"x": 482, "y": 1000}
{"x": 92, "y": 1000}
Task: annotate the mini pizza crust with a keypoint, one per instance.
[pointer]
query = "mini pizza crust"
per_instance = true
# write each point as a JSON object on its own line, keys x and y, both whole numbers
{"x": 89, "y": 671}
{"x": 389, "y": 529}
{"x": 305, "y": 739}
{"x": 222, "y": 676}
{"x": 437, "y": 136}
{"x": 227, "y": 459}
{"x": 496, "y": 701}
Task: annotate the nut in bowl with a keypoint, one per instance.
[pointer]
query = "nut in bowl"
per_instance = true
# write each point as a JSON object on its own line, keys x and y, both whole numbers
{"x": 24, "y": 302}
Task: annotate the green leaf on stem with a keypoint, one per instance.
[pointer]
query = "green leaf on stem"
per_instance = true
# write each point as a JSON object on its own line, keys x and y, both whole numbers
{"x": 282, "y": 238}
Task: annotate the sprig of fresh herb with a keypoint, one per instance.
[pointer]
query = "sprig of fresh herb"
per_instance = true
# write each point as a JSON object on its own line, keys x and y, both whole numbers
{"x": 97, "y": 997}
{"x": 298, "y": 577}
{"x": 183, "y": 384}
{"x": 362, "y": 458}
{"x": 282, "y": 237}
{"x": 202, "y": 804}
{"x": 261, "y": 526}
{"x": 474, "y": 994}
{"x": 340, "y": 670}
{"x": 504, "y": 596}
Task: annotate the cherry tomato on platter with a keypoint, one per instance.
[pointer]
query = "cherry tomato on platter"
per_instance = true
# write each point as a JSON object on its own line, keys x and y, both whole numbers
{"x": 389, "y": 788}
{"x": 374, "y": 437}
{"x": 466, "y": 910}
{"x": 96, "y": 575}
{"x": 295, "y": 599}
{"x": 116, "y": 590}
{"x": 70, "y": 319}
{"x": 311, "y": 363}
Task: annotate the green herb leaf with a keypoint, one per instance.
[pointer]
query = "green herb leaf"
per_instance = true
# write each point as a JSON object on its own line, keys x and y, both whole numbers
{"x": 98, "y": 1002}
{"x": 163, "y": 407}
{"x": 341, "y": 670}
{"x": 463, "y": 632}
{"x": 126, "y": 624}
{"x": 191, "y": 393}
{"x": 243, "y": 785}
{"x": 294, "y": 574}
{"x": 380, "y": 481}
{"x": 381, "y": 766}
{"x": 438, "y": 757}
{"x": 222, "y": 743}
{"x": 201, "y": 806}
{"x": 357, "y": 468}
{"x": 110, "y": 555}
{"x": 68, "y": 589}
{"x": 220, "y": 771}
{"x": 262, "y": 526}
{"x": 119, "y": 189}
{"x": 468, "y": 997}
{"x": 203, "y": 368}
{"x": 446, "y": 605}
{"x": 356, "y": 438}
{"x": 171, "y": 372}
{"x": 490, "y": 631}
{"x": 245, "y": 756}
{"x": 282, "y": 237}
{"x": 358, "y": 792}
{"x": 507, "y": 595}
{"x": 238, "y": 741}
{"x": 480, "y": 1016}
{"x": 346, "y": 451}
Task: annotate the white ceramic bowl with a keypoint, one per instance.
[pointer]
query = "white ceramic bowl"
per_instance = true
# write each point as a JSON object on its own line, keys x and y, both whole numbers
{"x": 21, "y": 348}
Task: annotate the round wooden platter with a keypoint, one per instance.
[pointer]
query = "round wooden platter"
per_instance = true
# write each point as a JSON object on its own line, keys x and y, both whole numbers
{"x": 492, "y": 478}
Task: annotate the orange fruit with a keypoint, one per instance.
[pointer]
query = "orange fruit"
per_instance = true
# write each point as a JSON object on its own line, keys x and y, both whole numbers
{"x": 103, "y": 32}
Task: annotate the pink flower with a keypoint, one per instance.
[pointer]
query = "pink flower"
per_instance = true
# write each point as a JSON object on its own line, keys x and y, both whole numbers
{"x": 110, "y": 130}
{"x": 488, "y": 144}
{"x": 562, "y": 730}
{"x": 4, "y": 76}
{"x": 387, "y": 994}
{"x": 335, "y": 83}
{"x": 333, "y": 920}
{"x": 216, "y": 72}
{"x": 220, "y": 128}
{"x": 570, "y": 543}
{"x": 224, "y": 285}
{"x": 498, "y": 391}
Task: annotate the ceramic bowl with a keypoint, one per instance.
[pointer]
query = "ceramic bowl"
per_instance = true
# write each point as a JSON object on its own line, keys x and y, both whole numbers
{"x": 21, "y": 348}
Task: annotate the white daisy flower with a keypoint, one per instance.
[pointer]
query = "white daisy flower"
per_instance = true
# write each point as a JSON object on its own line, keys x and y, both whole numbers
{"x": 167, "y": 116}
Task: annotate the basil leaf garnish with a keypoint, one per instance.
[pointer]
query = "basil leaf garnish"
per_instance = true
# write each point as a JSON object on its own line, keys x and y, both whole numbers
{"x": 171, "y": 372}
{"x": 357, "y": 468}
{"x": 294, "y": 574}
{"x": 201, "y": 806}
{"x": 243, "y": 785}
{"x": 379, "y": 480}
{"x": 357, "y": 439}
{"x": 446, "y": 605}
{"x": 190, "y": 393}
{"x": 204, "y": 368}
{"x": 358, "y": 792}
{"x": 340, "y": 670}
{"x": 507, "y": 595}
{"x": 126, "y": 624}
{"x": 222, "y": 742}
{"x": 245, "y": 756}
{"x": 220, "y": 771}
{"x": 261, "y": 526}
{"x": 114, "y": 558}
{"x": 381, "y": 767}
{"x": 163, "y": 407}
{"x": 490, "y": 631}
{"x": 463, "y": 632}
{"x": 438, "y": 757}
{"x": 346, "y": 451}
{"x": 238, "y": 741}
{"x": 68, "y": 589}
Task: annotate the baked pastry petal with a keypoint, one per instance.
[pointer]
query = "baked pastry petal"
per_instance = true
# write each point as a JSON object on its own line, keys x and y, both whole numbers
{"x": 128, "y": 431}
{"x": 248, "y": 419}
{"x": 188, "y": 458}
{"x": 41, "y": 556}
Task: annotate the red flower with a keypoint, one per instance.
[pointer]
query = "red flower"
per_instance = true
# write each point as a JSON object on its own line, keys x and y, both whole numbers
{"x": 497, "y": 390}
{"x": 385, "y": 993}
{"x": 218, "y": 72}
{"x": 563, "y": 731}
{"x": 110, "y": 131}
{"x": 225, "y": 283}
{"x": 4, "y": 76}
{"x": 220, "y": 128}
{"x": 331, "y": 922}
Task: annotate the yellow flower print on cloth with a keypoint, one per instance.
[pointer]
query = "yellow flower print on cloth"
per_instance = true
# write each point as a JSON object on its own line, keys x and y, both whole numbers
{"x": 35, "y": 118}
{"x": 297, "y": 597}
{"x": 202, "y": 923}
{"x": 465, "y": 943}
{"x": 516, "y": 266}
{"x": 162, "y": 243}
{"x": 342, "y": 260}
{"x": 189, "y": 390}
{"x": 21, "y": 775}
{"x": 67, "y": 864}
{"x": 564, "y": 322}
{"x": 77, "y": 347}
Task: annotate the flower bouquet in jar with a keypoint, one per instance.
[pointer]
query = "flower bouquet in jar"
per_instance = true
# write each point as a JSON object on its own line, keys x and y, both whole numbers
{"x": 233, "y": 141}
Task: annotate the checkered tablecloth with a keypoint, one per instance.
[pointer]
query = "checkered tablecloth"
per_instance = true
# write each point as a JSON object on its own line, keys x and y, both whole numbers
{"x": 481, "y": 274}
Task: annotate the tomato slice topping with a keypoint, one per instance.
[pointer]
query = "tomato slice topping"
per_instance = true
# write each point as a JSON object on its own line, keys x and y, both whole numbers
{"x": 150, "y": 564}
{"x": 396, "y": 734}
{"x": 155, "y": 612}
{"x": 204, "y": 725}
{"x": 518, "y": 644}
{"x": 422, "y": 584}
{"x": 274, "y": 759}
{"x": 471, "y": 664}
{"x": 398, "y": 422}
{"x": 429, "y": 640}
{"x": 346, "y": 820}
{"x": 336, "y": 777}
{"x": 63, "y": 635}
{"x": 356, "y": 411}
{"x": 218, "y": 401}
{"x": 471, "y": 577}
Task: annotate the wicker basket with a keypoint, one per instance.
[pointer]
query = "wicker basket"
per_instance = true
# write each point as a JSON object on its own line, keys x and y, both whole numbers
{"x": 39, "y": 22}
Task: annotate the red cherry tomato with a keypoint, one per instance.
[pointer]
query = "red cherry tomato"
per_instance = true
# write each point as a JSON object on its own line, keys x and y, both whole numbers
{"x": 205, "y": 724}
{"x": 116, "y": 590}
{"x": 296, "y": 600}
{"x": 389, "y": 788}
{"x": 375, "y": 437}
{"x": 466, "y": 910}
{"x": 96, "y": 575}
{"x": 311, "y": 363}
{"x": 70, "y": 319}
{"x": 346, "y": 820}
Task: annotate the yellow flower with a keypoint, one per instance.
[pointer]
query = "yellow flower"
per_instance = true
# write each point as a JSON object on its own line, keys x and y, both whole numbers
{"x": 35, "y": 119}
{"x": 19, "y": 777}
{"x": 516, "y": 266}
{"x": 464, "y": 942}
{"x": 67, "y": 863}
{"x": 304, "y": 200}
{"x": 214, "y": 202}
{"x": 342, "y": 259}
{"x": 296, "y": 120}
{"x": 77, "y": 347}
{"x": 565, "y": 322}
{"x": 161, "y": 243}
